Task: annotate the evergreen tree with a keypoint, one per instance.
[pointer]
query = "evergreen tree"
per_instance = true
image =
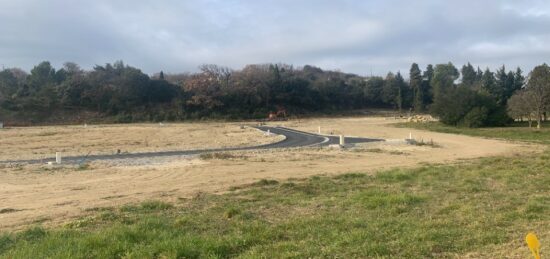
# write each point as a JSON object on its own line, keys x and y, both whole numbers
{"x": 389, "y": 91}
{"x": 502, "y": 88}
{"x": 488, "y": 84}
{"x": 401, "y": 91}
{"x": 373, "y": 90}
{"x": 429, "y": 73}
{"x": 443, "y": 79}
{"x": 519, "y": 79}
{"x": 416, "y": 84}
{"x": 479, "y": 74}
{"x": 427, "y": 84}
{"x": 510, "y": 86}
{"x": 392, "y": 93}
{"x": 8, "y": 84}
{"x": 469, "y": 75}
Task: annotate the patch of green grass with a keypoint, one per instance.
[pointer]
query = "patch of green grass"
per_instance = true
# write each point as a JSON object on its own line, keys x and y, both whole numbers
{"x": 83, "y": 167}
{"x": 231, "y": 212}
{"x": 427, "y": 212}
{"x": 147, "y": 206}
{"x": 516, "y": 131}
{"x": 266, "y": 182}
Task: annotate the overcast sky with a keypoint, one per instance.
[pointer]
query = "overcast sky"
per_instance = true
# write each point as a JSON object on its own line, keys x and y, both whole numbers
{"x": 355, "y": 36}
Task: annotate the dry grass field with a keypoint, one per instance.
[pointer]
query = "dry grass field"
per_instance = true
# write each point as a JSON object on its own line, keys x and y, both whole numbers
{"x": 40, "y": 142}
{"x": 52, "y": 195}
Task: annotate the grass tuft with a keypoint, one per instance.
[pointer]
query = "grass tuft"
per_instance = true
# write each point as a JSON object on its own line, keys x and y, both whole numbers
{"x": 217, "y": 155}
{"x": 156, "y": 205}
{"x": 83, "y": 167}
{"x": 8, "y": 210}
{"x": 231, "y": 212}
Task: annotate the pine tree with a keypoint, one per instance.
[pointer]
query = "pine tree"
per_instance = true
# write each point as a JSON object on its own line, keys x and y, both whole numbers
{"x": 415, "y": 82}
{"x": 389, "y": 91}
{"x": 488, "y": 83}
{"x": 501, "y": 90}
{"x": 427, "y": 84}
{"x": 510, "y": 86}
{"x": 519, "y": 79}
{"x": 401, "y": 92}
{"x": 479, "y": 76}
{"x": 468, "y": 75}
{"x": 393, "y": 91}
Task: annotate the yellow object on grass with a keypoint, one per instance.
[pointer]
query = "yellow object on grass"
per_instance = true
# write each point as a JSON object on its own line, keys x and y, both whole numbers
{"x": 533, "y": 244}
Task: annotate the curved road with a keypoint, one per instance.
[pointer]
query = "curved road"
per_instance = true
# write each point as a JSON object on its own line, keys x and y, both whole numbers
{"x": 294, "y": 138}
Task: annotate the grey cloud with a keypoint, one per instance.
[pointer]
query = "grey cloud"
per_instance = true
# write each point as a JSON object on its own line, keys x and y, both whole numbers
{"x": 356, "y": 36}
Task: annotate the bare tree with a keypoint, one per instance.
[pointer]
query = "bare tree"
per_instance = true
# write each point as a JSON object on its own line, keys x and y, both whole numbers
{"x": 19, "y": 74}
{"x": 221, "y": 74}
{"x": 538, "y": 85}
{"x": 522, "y": 105}
{"x": 72, "y": 68}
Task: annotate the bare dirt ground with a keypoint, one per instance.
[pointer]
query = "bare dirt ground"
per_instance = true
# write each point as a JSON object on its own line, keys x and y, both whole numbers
{"x": 31, "y": 194}
{"x": 41, "y": 142}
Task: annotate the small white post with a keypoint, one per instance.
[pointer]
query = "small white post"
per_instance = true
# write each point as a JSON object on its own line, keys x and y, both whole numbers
{"x": 342, "y": 140}
{"x": 57, "y": 157}
{"x": 319, "y": 130}
{"x": 268, "y": 133}
{"x": 410, "y": 135}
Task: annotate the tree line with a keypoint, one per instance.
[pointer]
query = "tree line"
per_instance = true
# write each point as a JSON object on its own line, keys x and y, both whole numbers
{"x": 470, "y": 96}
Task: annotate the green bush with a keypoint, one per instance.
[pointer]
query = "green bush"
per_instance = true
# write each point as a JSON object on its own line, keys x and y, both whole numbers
{"x": 498, "y": 117}
{"x": 476, "y": 117}
{"x": 466, "y": 107}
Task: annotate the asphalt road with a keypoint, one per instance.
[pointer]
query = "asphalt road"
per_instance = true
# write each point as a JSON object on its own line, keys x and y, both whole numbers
{"x": 294, "y": 138}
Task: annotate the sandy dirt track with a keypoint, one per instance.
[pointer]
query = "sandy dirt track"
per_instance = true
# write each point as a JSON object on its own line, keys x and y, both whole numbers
{"x": 38, "y": 193}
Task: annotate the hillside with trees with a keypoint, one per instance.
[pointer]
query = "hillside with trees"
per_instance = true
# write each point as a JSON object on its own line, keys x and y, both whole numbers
{"x": 468, "y": 96}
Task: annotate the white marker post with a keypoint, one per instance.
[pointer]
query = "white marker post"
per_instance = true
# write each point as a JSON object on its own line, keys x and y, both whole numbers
{"x": 342, "y": 140}
{"x": 268, "y": 133}
{"x": 319, "y": 130}
{"x": 410, "y": 135}
{"x": 57, "y": 157}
